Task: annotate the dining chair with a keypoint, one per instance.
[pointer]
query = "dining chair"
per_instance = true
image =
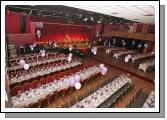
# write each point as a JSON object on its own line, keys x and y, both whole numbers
{"x": 34, "y": 84}
{"x": 53, "y": 97}
{"x": 16, "y": 90}
{"x": 23, "y": 82}
{"x": 26, "y": 87}
{"x": 43, "y": 81}
{"x": 49, "y": 79}
{"x": 44, "y": 102}
{"x": 12, "y": 85}
{"x": 34, "y": 105}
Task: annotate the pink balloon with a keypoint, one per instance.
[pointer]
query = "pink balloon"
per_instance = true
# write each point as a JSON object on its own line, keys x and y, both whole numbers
{"x": 21, "y": 62}
{"x": 72, "y": 82}
{"x": 77, "y": 78}
{"x": 104, "y": 70}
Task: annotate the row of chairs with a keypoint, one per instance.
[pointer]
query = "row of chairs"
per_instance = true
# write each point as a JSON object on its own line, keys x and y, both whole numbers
{"x": 64, "y": 92}
{"x": 131, "y": 93}
{"x": 34, "y": 83}
{"x": 35, "y": 68}
{"x": 30, "y": 59}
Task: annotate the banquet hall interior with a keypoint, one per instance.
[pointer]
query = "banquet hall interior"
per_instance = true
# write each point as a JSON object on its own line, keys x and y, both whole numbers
{"x": 79, "y": 56}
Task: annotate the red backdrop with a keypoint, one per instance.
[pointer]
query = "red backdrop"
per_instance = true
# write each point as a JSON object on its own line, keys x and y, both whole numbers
{"x": 56, "y": 32}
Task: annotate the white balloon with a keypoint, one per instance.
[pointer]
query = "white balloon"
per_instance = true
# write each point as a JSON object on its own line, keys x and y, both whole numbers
{"x": 126, "y": 59}
{"x": 69, "y": 59}
{"x": 103, "y": 73}
{"x": 32, "y": 48}
{"x": 78, "y": 85}
{"x": 70, "y": 48}
{"x": 95, "y": 52}
{"x": 43, "y": 54}
{"x": 26, "y": 66}
{"x": 101, "y": 66}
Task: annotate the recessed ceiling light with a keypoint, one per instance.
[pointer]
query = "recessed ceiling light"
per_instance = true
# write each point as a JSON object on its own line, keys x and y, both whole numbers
{"x": 149, "y": 15}
{"x": 115, "y": 13}
{"x": 136, "y": 19}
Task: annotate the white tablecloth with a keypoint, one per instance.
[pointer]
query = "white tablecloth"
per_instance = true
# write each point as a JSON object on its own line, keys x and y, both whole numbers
{"x": 43, "y": 72}
{"x": 41, "y": 92}
{"x": 98, "y": 97}
{"x": 150, "y": 102}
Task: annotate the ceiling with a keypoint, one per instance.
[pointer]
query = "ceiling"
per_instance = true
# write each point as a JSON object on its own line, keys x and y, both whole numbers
{"x": 138, "y": 13}
{"x": 109, "y": 13}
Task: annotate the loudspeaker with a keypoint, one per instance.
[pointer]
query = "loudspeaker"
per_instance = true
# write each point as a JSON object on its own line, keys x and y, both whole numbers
{"x": 23, "y": 24}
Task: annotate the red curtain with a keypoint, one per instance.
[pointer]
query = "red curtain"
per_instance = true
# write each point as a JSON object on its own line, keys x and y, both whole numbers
{"x": 57, "y": 32}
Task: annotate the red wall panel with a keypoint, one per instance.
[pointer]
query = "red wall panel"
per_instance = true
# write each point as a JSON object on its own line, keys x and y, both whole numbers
{"x": 20, "y": 39}
{"x": 12, "y": 23}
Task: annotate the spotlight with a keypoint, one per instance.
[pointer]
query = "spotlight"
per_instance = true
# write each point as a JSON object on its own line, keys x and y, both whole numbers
{"x": 30, "y": 12}
{"x": 85, "y": 19}
{"x": 91, "y": 18}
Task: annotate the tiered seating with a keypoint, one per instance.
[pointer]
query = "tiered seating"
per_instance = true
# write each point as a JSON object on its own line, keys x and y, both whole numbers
{"x": 60, "y": 85}
{"x": 150, "y": 102}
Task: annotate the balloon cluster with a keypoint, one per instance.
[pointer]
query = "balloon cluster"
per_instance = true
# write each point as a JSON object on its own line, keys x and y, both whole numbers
{"x": 23, "y": 64}
{"x": 32, "y": 46}
{"x": 127, "y": 58}
{"x": 103, "y": 69}
{"x": 94, "y": 50}
{"x": 75, "y": 81}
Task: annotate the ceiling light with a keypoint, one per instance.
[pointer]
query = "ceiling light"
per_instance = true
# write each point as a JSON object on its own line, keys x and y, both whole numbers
{"x": 149, "y": 15}
{"x": 30, "y": 12}
{"x": 85, "y": 19}
{"x": 115, "y": 13}
{"x": 136, "y": 19}
{"x": 91, "y": 18}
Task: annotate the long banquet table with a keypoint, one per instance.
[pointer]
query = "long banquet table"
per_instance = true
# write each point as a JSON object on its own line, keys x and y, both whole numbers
{"x": 24, "y": 99}
{"x": 150, "y": 102}
{"x": 39, "y": 62}
{"x": 43, "y": 72}
{"x": 98, "y": 97}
